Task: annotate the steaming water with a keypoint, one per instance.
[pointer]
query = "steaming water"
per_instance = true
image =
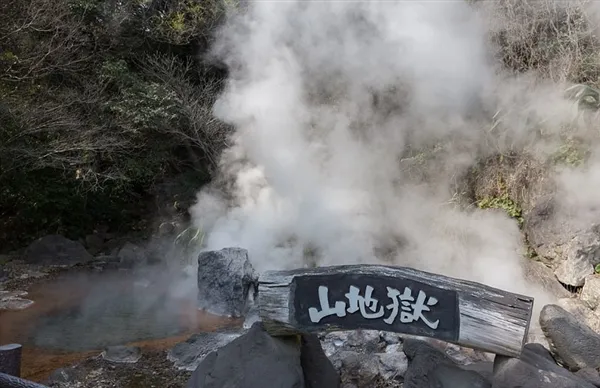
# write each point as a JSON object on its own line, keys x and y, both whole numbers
{"x": 109, "y": 316}
{"x": 91, "y": 311}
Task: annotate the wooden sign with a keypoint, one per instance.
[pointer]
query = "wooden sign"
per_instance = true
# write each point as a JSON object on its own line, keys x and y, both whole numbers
{"x": 396, "y": 299}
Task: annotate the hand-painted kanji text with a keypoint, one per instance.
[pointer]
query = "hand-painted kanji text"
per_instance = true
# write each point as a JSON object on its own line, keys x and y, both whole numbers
{"x": 403, "y": 306}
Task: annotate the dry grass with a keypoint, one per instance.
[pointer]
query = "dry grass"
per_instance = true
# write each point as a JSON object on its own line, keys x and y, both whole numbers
{"x": 556, "y": 38}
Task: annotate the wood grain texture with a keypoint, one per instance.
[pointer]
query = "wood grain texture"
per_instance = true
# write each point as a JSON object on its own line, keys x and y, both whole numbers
{"x": 490, "y": 319}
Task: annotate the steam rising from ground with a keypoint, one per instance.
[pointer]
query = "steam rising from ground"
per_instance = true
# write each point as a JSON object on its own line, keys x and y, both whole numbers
{"x": 356, "y": 122}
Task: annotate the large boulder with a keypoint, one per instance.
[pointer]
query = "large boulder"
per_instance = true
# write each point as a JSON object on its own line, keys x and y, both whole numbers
{"x": 572, "y": 342}
{"x": 225, "y": 280}
{"x": 539, "y": 273}
{"x": 582, "y": 312}
{"x": 131, "y": 255}
{"x": 571, "y": 250}
{"x": 430, "y": 367}
{"x": 590, "y": 294}
{"x": 253, "y": 360}
{"x": 56, "y": 250}
{"x": 534, "y": 369}
{"x": 189, "y": 354}
{"x": 317, "y": 369}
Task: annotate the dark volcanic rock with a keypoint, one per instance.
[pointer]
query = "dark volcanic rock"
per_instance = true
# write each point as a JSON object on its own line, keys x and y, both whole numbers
{"x": 189, "y": 354}
{"x": 225, "y": 279}
{"x": 253, "y": 360}
{"x": 318, "y": 370}
{"x": 429, "y": 367}
{"x": 56, "y": 250}
{"x": 131, "y": 255}
{"x": 590, "y": 375}
{"x": 573, "y": 343}
{"x": 534, "y": 369}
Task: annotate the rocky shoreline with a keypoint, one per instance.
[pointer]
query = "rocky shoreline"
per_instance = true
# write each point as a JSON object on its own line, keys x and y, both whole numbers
{"x": 563, "y": 349}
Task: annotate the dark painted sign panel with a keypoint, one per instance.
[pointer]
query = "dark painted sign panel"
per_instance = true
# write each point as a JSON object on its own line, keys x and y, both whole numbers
{"x": 354, "y": 301}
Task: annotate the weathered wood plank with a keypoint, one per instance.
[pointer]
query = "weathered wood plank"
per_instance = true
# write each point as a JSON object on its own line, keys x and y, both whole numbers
{"x": 402, "y": 300}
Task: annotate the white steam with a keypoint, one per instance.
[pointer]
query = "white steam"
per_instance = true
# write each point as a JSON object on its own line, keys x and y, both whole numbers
{"x": 354, "y": 123}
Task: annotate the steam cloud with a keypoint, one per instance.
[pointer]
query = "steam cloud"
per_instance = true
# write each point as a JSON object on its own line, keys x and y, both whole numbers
{"x": 355, "y": 123}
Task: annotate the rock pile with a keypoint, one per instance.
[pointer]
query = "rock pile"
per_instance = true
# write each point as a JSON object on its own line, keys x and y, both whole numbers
{"x": 365, "y": 358}
{"x": 565, "y": 355}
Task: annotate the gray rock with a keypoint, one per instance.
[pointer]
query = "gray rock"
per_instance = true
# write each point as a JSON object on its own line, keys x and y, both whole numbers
{"x": 539, "y": 273}
{"x": 13, "y": 300}
{"x": 392, "y": 365}
{"x": 316, "y": 367}
{"x": 94, "y": 243}
{"x": 534, "y": 369}
{"x": 580, "y": 255}
{"x": 189, "y": 354}
{"x": 582, "y": 312}
{"x": 225, "y": 279}
{"x": 394, "y": 348}
{"x": 357, "y": 368}
{"x": 63, "y": 376}
{"x": 56, "y": 250}
{"x": 363, "y": 369}
{"x": 465, "y": 356}
{"x": 590, "y": 294}
{"x": 484, "y": 368}
{"x": 572, "y": 343}
{"x": 253, "y": 360}
{"x": 122, "y": 354}
{"x": 429, "y": 367}
{"x": 130, "y": 255}
{"x": 390, "y": 338}
{"x": 590, "y": 375}
{"x": 360, "y": 341}
{"x": 574, "y": 269}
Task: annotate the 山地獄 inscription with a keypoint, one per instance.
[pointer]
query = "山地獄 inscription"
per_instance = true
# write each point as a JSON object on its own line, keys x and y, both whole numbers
{"x": 379, "y": 303}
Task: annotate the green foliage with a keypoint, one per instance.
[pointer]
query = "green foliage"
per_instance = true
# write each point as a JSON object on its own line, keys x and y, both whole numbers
{"x": 505, "y": 203}
{"x": 184, "y": 20}
{"x": 597, "y": 268}
{"x": 90, "y": 121}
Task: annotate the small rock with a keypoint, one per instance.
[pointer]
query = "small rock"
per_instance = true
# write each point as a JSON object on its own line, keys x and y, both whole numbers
{"x": 253, "y": 360}
{"x": 13, "y": 301}
{"x": 590, "y": 375}
{"x": 590, "y": 294}
{"x": 392, "y": 366}
{"x": 56, "y": 250}
{"x": 122, "y": 354}
{"x": 429, "y": 367}
{"x": 573, "y": 343}
{"x": 356, "y": 368}
{"x": 390, "y": 337}
{"x": 366, "y": 340}
{"x": 538, "y": 272}
{"x": 94, "y": 243}
{"x": 189, "y": 354}
{"x": 166, "y": 228}
{"x": 581, "y": 254}
{"x": 225, "y": 280}
{"x": 534, "y": 369}
{"x": 63, "y": 376}
{"x": 130, "y": 255}
{"x": 394, "y": 348}
{"x": 356, "y": 340}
